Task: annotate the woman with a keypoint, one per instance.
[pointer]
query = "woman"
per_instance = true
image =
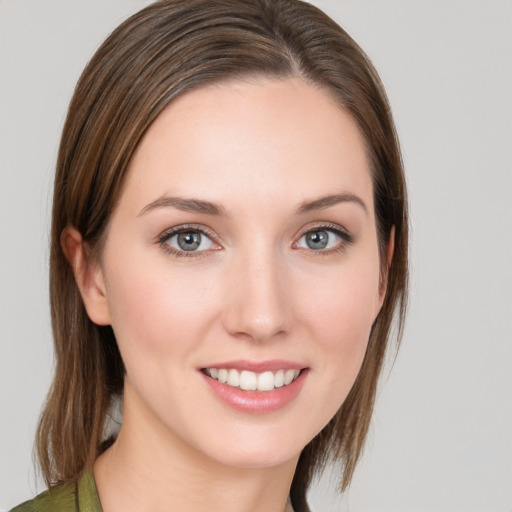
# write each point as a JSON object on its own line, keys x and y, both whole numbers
{"x": 229, "y": 248}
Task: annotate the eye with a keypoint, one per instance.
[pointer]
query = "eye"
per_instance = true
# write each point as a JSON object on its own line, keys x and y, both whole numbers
{"x": 186, "y": 241}
{"x": 324, "y": 238}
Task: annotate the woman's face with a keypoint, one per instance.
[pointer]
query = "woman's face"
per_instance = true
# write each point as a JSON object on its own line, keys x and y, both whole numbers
{"x": 243, "y": 247}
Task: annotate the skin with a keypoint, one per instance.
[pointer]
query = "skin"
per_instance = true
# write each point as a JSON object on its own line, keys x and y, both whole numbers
{"x": 259, "y": 148}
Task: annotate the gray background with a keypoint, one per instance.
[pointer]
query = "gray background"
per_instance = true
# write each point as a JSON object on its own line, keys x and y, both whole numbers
{"x": 441, "y": 437}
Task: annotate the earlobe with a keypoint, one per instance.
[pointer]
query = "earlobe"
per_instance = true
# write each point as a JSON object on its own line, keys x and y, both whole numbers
{"x": 88, "y": 276}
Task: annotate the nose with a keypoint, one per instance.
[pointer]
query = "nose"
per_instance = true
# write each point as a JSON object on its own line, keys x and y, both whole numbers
{"x": 257, "y": 305}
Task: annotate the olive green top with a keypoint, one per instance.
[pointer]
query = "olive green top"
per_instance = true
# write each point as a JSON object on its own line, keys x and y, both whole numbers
{"x": 72, "y": 498}
{"x": 66, "y": 497}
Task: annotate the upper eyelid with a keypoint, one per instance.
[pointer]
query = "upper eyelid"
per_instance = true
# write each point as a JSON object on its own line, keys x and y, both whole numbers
{"x": 325, "y": 226}
{"x": 167, "y": 233}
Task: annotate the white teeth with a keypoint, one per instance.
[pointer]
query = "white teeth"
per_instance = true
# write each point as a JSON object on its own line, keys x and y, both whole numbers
{"x": 250, "y": 381}
{"x": 288, "y": 376}
{"x": 266, "y": 381}
{"x": 279, "y": 379}
{"x": 222, "y": 375}
{"x": 233, "y": 378}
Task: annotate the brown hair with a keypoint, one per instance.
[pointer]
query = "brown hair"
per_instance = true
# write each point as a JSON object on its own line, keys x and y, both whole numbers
{"x": 170, "y": 47}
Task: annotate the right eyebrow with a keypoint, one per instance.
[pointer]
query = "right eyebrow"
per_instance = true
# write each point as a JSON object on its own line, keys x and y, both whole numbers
{"x": 186, "y": 204}
{"x": 330, "y": 200}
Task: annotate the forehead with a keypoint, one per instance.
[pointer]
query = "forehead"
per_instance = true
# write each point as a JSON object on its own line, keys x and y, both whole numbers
{"x": 251, "y": 140}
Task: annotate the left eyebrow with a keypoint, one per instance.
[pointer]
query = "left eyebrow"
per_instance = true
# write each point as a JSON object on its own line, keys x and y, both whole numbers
{"x": 330, "y": 200}
{"x": 187, "y": 205}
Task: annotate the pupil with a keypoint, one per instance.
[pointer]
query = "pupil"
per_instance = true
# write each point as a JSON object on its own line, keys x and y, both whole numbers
{"x": 189, "y": 240}
{"x": 317, "y": 239}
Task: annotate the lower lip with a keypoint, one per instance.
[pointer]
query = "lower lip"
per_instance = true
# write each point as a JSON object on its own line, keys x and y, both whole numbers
{"x": 257, "y": 402}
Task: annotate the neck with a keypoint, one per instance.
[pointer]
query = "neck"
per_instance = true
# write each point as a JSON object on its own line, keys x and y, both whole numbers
{"x": 150, "y": 468}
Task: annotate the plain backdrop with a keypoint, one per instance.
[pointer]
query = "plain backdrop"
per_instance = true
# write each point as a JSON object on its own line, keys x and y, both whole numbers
{"x": 441, "y": 435}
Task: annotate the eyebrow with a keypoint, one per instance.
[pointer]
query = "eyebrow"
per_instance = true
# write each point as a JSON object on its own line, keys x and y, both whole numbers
{"x": 186, "y": 205}
{"x": 217, "y": 210}
{"x": 330, "y": 200}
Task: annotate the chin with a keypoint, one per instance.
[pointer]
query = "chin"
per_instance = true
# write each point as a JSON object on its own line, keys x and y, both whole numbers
{"x": 256, "y": 459}
{"x": 256, "y": 448}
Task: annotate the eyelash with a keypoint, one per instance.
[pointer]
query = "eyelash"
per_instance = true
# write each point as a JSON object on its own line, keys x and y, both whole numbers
{"x": 162, "y": 239}
{"x": 346, "y": 237}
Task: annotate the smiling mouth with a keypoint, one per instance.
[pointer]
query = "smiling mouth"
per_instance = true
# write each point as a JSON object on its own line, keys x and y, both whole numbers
{"x": 252, "y": 381}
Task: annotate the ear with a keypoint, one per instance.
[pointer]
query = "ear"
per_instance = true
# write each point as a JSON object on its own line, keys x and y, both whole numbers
{"x": 390, "y": 249}
{"x": 88, "y": 275}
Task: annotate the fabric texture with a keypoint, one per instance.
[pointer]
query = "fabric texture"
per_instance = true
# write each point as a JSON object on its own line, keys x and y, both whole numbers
{"x": 73, "y": 498}
{"x": 66, "y": 497}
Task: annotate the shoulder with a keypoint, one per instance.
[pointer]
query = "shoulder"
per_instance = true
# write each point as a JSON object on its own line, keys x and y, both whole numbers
{"x": 66, "y": 497}
{"x": 61, "y": 498}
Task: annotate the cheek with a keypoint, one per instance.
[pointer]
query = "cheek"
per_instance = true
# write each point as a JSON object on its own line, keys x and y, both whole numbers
{"x": 340, "y": 314}
{"x": 155, "y": 313}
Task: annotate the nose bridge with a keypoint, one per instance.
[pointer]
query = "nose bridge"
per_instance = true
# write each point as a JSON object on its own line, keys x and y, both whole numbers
{"x": 258, "y": 306}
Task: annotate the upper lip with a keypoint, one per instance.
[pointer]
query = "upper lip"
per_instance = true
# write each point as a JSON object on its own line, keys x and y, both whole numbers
{"x": 257, "y": 366}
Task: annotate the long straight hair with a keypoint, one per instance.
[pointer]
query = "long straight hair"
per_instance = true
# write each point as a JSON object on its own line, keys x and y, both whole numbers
{"x": 168, "y": 48}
